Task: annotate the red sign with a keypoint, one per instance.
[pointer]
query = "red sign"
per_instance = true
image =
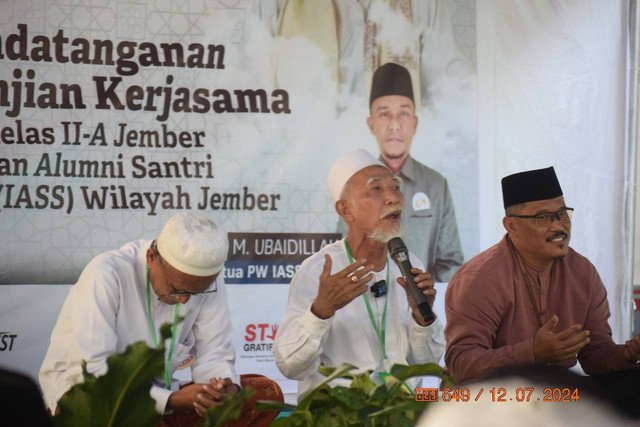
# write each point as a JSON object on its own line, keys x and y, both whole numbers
{"x": 260, "y": 331}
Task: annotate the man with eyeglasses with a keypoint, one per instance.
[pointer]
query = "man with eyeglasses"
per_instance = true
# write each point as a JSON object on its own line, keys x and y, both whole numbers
{"x": 531, "y": 299}
{"x": 126, "y": 295}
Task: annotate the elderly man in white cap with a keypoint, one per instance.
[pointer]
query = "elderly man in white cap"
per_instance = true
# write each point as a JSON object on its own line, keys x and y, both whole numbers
{"x": 331, "y": 316}
{"x": 124, "y": 296}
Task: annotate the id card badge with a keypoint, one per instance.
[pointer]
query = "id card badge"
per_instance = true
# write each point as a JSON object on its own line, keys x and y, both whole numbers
{"x": 386, "y": 377}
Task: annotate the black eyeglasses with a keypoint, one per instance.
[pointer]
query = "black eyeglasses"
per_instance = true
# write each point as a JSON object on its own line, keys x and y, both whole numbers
{"x": 188, "y": 294}
{"x": 177, "y": 293}
{"x": 545, "y": 218}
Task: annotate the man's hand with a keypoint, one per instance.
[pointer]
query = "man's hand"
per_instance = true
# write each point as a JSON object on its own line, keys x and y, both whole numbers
{"x": 217, "y": 390}
{"x": 425, "y": 283}
{"x": 201, "y": 396}
{"x": 632, "y": 350}
{"x": 551, "y": 347}
{"x": 336, "y": 291}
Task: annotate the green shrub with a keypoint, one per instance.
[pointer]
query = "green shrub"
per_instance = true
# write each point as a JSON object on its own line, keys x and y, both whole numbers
{"x": 120, "y": 398}
{"x": 362, "y": 404}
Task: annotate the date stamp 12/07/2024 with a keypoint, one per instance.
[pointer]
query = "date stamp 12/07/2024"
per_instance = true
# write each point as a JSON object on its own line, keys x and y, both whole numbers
{"x": 498, "y": 394}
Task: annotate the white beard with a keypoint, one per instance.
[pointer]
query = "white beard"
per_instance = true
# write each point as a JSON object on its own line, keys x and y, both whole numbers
{"x": 384, "y": 236}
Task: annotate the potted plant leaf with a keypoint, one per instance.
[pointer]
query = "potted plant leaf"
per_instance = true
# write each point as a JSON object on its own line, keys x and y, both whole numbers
{"x": 363, "y": 403}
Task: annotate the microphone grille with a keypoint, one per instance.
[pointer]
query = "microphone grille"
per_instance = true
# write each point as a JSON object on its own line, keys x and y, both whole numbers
{"x": 396, "y": 244}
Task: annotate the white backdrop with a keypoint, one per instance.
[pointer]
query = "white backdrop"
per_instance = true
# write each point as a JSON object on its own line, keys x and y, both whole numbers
{"x": 284, "y": 155}
{"x": 551, "y": 91}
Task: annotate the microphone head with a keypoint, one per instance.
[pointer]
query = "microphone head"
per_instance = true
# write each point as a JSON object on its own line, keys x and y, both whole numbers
{"x": 396, "y": 245}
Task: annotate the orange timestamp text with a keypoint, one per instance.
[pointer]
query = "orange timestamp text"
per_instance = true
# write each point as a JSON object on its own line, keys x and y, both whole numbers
{"x": 425, "y": 394}
{"x": 498, "y": 394}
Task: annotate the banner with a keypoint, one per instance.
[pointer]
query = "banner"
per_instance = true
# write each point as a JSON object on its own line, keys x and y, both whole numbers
{"x": 113, "y": 117}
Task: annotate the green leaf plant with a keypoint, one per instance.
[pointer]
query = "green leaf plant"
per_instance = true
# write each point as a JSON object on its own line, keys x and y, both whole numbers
{"x": 363, "y": 403}
{"x": 121, "y": 396}
{"x": 230, "y": 409}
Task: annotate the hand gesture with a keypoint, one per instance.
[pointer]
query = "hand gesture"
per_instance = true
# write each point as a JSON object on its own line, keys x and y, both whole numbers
{"x": 423, "y": 281}
{"x": 632, "y": 350}
{"x": 217, "y": 390}
{"x": 201, "y": 396}
{"x": 551, "y": 347}
{"x": 337, "y": 290}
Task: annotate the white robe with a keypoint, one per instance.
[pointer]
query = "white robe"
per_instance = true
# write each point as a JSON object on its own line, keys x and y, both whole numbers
{"x": 304, "y": 341}
{"x": 106, "y": 310}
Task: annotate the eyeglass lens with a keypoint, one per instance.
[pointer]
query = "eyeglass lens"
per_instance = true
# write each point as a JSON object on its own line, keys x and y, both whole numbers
{"x": 563, "y": 215}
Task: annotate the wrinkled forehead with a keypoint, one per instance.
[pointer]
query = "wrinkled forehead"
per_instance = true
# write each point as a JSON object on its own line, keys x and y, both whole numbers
{"x": 371, "y": 174}
{"x": 374, "y": 179}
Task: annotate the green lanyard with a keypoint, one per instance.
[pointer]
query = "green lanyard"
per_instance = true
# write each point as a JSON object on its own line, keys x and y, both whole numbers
{"x": 380, "y": 331}
{"x": 167, "y": 366}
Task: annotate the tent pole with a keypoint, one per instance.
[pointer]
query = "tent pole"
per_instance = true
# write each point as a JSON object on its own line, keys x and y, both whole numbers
{"x": 633, "y": 108}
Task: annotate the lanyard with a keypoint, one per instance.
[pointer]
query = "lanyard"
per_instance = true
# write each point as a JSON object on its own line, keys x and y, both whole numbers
{"x": 380, "y": 331}
{"x": 167, "y": 366}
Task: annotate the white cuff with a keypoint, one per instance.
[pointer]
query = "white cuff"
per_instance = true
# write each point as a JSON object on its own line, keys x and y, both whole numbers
{"x": 314, "y": 326}
{"x": 433, "y": 331}
{"x": 161, "y": 396}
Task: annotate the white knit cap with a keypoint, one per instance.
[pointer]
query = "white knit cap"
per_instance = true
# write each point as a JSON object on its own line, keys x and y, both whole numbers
{"x": 347, "y": 166}
{"x": 193, "y": 244}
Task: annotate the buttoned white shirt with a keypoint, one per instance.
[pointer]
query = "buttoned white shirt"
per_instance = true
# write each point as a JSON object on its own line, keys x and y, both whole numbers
{"x": 305, "y": 341}
{"x": 106, "y": 310}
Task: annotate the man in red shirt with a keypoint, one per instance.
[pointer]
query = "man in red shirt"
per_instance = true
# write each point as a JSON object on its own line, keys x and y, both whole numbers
{"x": 531, "y": 299}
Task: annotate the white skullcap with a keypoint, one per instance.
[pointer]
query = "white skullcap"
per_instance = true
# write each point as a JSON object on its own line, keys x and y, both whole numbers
{"x": 193, "y": 244}
{"x": 347, "y": 166}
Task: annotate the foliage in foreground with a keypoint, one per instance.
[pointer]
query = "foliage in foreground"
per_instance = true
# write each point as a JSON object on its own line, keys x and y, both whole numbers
{"x": 120, "y": 398}
{"x": 231, "y": 409}
{"x": 364, "y": 403}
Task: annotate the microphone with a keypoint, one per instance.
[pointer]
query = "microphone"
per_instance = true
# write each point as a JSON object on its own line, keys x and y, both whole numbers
{"x": 400, "y": 255}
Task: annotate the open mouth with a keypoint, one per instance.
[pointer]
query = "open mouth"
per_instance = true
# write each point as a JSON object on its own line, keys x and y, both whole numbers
{"x": 558, "y": 237}
{"x": 393, "y": 215}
